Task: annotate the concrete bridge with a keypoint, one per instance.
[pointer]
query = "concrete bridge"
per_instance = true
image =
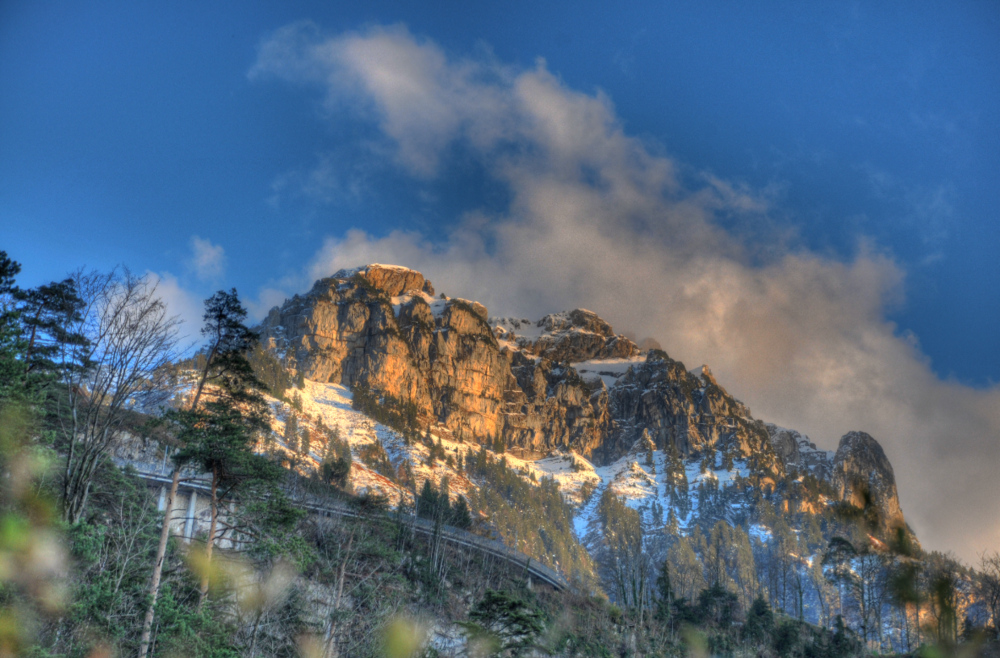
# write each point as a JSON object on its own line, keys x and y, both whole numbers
{"x": 192, "y": 513}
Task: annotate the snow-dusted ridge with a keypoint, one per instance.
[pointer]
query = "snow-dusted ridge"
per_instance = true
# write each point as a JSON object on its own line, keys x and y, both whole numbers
{"x": 642, "y": 484}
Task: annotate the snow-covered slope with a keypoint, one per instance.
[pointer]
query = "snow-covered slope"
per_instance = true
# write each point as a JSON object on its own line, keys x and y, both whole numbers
{"x": 642, "y": 478}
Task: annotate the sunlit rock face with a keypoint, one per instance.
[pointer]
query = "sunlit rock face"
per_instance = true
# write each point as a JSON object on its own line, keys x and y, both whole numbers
{"x": 379, "y": 327}
{"x": 863, "y": 476}
{"x": 548, "y": 405}
{"x": 391, "y": 279}
{"x": 566, "y": 381}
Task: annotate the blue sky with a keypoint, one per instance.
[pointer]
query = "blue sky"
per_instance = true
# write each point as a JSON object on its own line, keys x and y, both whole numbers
{"x": 838, "y": 163}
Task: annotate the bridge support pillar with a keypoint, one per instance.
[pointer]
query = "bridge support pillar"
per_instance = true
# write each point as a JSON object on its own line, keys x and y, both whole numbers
{"x": 189, "y": 522}
{"x": 162, "y": 504}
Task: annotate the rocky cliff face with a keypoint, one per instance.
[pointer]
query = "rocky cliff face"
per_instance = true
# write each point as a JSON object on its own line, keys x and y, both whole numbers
{"x": 566, "y": 381}
{"x": 688, "y": 410}
{"x": 859, "y": 471}
{"x": 798, "y": 453}
{"x": 862, "y": 476}
{"x": 380, "y": 328}
{"x": 579, "y": 335}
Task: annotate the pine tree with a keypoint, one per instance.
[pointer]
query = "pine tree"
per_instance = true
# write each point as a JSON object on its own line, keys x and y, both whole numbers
{"x": 49, "y": 315}
{"x": 707, "y": 460}
{"x": 427, "y": 501}
{"x": 665, "y": 591}
{"x": 460, "y": 516}
{"x": 291, "y": 434}
{"x": 220, "y": 437}
{"x": 759, "y": 623}
{"x": 305, "y": 441}
{"x": 685, "y": 568}
{"x": 225, "y": 364}
{"x": 337, "y": 459}
{"x": 12, "y": 345}
{"x": 672, "y": 528}
{"x": 507, "y": 622}
{"x": 443, "y": 511}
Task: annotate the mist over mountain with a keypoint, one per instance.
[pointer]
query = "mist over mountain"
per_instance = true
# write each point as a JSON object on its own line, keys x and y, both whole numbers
{"x": 593, "y": 217}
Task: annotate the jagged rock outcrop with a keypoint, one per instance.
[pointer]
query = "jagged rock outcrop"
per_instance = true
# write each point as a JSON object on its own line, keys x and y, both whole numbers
{"x": 393, "y": 280}
{"x": 379, "y": 327}
{"x": 549, "y": 406}
{"x": 798, "y": 453}
{"x": 863, "y": 477}
{"x": 690, "y": 411}
{"x": 579, "y": 335}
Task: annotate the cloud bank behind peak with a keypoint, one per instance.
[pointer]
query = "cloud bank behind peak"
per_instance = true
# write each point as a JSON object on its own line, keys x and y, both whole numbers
{"x": 599, "y": 219}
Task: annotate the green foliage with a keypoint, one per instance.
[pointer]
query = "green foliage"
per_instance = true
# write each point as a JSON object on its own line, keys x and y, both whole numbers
{"x": 533, "y": 518}
{"x": 185, "y": 630}
{"x": 337, "y": 459}
{"x": 665, "y": 593}
{"x": 375, "y": 457}
{"x": 686, "y": 569}
{"x": 270, "y": 371}
{"x": 435, "y": 505}
{"x": 49, "y": 315}
{"x": 505, "y": 622}
{"x": 759, "y": 624}
{"x": 400, "y": 415}
{"x": 13, "y": 344}
{"x": 435, "y": 451}
{"x": 220, "y": 438}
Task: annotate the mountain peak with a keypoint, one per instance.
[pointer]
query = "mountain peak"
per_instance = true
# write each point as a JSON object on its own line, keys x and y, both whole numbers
{"x": 391, "y": 279}
{"x": 567, "y": 336}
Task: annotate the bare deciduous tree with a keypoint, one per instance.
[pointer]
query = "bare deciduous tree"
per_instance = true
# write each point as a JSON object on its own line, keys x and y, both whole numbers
{"x": 130, "y": 338}
{"x": 989, "y": 587}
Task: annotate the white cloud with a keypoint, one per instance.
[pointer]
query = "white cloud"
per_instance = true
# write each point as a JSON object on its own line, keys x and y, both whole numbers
{"x": 182, "y": 303}
{"x": 207, "y": 261}
{"x": 597, "y": 219}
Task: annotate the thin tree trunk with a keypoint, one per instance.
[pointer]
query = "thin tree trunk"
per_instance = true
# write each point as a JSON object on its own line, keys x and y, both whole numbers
{"x": 154, "y": 587}
{"x": 161, "y": 552}
{"x": 204, "y": 378}
{"x": 211, "y": 538}
{"x": 31, "y": 344}
{"x": 253, "y": 635}
{"x": 331, "y": 643}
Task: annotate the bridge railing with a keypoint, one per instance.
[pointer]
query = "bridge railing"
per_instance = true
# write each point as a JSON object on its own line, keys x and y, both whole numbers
{"x": 157, "y": 473}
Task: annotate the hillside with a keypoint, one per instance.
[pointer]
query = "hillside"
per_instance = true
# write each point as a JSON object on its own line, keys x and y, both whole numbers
{"x": 421, "y": 479}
